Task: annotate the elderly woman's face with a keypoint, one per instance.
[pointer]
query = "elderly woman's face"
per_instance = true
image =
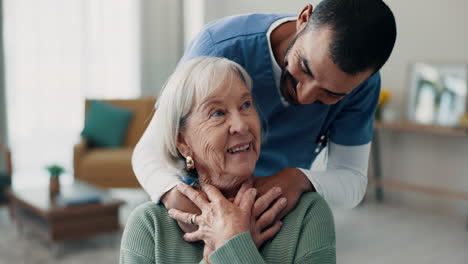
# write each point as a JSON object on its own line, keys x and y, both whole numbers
{"x": 222, "y": 134}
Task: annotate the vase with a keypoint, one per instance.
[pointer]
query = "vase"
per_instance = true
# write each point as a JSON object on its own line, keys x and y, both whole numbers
{"x": 54, "y": 185}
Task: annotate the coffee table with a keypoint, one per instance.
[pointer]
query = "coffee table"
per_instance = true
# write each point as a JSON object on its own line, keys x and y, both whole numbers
{"x": 40, "y": 212}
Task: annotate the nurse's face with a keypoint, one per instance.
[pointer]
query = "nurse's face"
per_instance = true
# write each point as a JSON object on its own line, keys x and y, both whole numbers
{"x": 311, "y": 76}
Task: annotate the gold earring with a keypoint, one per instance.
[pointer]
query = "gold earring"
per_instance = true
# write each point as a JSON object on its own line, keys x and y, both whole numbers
{"x": 189, "y": 163}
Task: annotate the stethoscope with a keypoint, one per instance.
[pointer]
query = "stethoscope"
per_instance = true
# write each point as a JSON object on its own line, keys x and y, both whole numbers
{"x": 322, "y": 140}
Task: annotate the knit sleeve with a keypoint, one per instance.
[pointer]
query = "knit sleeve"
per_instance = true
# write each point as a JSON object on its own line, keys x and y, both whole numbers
{"x": 127, "y": 256}
{"x": 137, "y": 244}
{"x": 317, "y": 241}
{"x": 239, "y": 249}
{"x": 326, "y": 255}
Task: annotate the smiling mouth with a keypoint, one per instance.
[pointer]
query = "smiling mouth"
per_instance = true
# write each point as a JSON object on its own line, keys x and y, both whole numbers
{"x": 239, "y": 149}
{"x": 293, "y": 93}
{"x": 289, "y": 94}
{"x": 288, "y": 88}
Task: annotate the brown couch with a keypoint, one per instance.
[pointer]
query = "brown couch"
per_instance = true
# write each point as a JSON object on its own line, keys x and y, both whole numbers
{"x": 110, "y": 167}
{"x": 5, "y": 172}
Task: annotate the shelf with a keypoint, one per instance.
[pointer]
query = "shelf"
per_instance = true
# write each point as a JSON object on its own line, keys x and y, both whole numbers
{"x": 429, "y": 190}
{"x": 405, "y": 126}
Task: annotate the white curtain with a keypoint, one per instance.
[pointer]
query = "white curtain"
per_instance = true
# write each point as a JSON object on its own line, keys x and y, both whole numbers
{"x": 57, "y": 53}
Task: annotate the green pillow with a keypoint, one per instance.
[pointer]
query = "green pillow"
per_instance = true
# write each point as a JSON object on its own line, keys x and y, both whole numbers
{"x": 106, "y": 125}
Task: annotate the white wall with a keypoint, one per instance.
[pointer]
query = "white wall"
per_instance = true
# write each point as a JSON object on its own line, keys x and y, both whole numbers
{"x": 194, "y": 18}
{"x": 227, "y": 8}
{"x": 428, "y": 30}
{"x": 433, "y": 31}
{"x": 162, "y": 42}
{"x": 3, "y": 121}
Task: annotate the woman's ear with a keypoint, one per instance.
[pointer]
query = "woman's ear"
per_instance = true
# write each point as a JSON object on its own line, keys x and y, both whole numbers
{"x": 182, "y": 146}
{"x": 304, "y": 17}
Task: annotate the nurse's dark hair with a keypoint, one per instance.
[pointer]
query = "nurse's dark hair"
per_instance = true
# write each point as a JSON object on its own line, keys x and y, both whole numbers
{"x": 363, "y": 32}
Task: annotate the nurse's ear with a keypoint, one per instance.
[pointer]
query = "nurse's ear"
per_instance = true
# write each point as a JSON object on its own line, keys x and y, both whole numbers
{"x": 304, "y": 17}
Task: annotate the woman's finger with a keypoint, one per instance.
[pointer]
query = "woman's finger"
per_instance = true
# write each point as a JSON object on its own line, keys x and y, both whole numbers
{"x": 270, "y": 232}
{"x": 206, "y": 253}
{"x": 195, "y": 196}
{"x": 241, "y": 192}
{"x": 269, "y": 216}
{"x": 194, "y": 236}
{"x": 213, "y": 193}
{"x": 187, "y": 218}
{"x": 248, "y": 199}
{"x": 264, "y": 201}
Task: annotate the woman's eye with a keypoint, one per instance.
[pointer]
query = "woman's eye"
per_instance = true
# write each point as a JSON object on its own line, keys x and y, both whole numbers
{"x": 246, "y": 105}
{"x": 217, "y": 113}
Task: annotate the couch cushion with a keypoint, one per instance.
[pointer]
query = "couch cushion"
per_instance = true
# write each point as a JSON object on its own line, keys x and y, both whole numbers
{"x": 107, "y": 165}
{"x": 106, "y": 125}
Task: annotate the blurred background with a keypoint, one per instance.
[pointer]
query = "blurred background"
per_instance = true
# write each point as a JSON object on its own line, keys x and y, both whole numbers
{"x": 55, "y": 54}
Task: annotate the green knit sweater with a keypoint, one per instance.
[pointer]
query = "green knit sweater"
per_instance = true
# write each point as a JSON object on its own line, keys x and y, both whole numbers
{"x": 307, "y": 236}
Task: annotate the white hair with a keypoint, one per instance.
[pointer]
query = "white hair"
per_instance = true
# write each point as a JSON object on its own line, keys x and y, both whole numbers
{"x": 190, "y": 84}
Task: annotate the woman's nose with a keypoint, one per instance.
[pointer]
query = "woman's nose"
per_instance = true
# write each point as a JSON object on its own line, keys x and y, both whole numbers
{"x": 239, "y": 124}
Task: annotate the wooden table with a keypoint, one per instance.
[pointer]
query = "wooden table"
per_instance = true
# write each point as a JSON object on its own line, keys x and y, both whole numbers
{"x": 36, "y": 210}
{"x": 409, "y": 127}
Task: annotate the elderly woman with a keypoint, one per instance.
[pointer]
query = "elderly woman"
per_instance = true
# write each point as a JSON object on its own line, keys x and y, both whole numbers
{"x": 208, "y": 125}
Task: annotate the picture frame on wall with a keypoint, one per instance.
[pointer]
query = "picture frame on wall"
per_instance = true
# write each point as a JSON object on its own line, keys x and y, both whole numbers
{"x": 437, "y": 93}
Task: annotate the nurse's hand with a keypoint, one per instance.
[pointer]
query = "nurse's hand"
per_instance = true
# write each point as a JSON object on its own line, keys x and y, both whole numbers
{"x": 264, "y": 212}
{"x": 292, "y": 183}
{"x": 175, "y": 199}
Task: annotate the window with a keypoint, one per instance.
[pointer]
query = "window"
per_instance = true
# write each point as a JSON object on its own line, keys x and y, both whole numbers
{"x": 57, "y": 53}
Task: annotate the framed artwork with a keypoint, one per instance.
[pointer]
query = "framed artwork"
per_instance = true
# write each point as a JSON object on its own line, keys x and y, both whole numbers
{"x": 438, "y": 93}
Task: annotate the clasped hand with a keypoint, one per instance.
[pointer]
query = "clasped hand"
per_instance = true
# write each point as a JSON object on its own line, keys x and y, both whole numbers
{"x": 221, "y": 219}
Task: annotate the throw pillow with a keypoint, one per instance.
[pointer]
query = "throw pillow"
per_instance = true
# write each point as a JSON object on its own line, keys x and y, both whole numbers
{"x": 106, "y": 125}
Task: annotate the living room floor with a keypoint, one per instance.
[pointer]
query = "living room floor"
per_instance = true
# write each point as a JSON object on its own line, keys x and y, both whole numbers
{"x": 371, "y": 233}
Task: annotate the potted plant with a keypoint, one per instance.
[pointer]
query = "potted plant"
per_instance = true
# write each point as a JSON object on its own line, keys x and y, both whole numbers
{"x": 54, "y": 184}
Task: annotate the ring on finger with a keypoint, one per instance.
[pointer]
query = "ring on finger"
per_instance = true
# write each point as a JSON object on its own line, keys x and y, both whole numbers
{"x": 192, "y": 219}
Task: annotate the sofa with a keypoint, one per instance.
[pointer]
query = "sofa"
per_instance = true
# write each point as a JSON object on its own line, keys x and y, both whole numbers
{"x": 5, "y": 172}
{"x": 111, "y": 167}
